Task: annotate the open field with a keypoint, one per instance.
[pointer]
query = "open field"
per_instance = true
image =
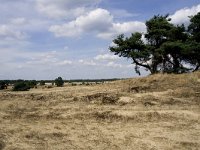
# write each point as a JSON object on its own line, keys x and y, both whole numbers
{"x": 155, "y": 112}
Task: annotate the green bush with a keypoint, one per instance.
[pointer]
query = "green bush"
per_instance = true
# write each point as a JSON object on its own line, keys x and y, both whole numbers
{"x": 31, "y": 83}
{"x": 59, "y": 82}
{"x": 42, "y": 83}
{"x": 3, "y": 85}
{"x": 21, "y": 86}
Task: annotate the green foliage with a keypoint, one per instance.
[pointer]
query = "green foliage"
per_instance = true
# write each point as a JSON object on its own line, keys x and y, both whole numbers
{"x": 194, "y": 27}
{"x": 194, "y": 43}
{"x": 32, "y": 83}
{"x": 158, "y": 30}
{"x": 42, "y": 82}
{"x": 3, "y": 85}
{"x": 59, "y": 82}
{"x": 21, "y": 86}
{"x": 168, "y": 48}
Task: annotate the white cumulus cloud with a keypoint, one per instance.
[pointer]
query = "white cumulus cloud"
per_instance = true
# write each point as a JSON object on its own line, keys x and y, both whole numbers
{"x": 8, "y": 33}
{"x": 64, "y": 8}
{"x": 114, "y": 65}
{"x": 64, "y": 62}
{"x": 87, "y": 62}
{"x": 182, "y": 16}
{"x": 98, "y": 21}
{"x": 123, "y": 28}
{"x": 18, "y": 21}
{"x": 106, "y": 57}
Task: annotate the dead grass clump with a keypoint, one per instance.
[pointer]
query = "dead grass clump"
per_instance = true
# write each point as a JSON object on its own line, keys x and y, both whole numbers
{"x": 2, "y": 145}
{"x": 9, "y": 96}
{"x": 125, "y": 100}
{"x": 129, "y": 116}
{"x": 107, "y": 115}
{"x": 172, "y": 101}
{"x": 150, "y": 100}
{"x": 76, "y": 98}
{"x": 17, "y": 112}
{"x": 53, "y": 115}
{"x": 139, "y": 117}
{"x": 109, "y": 99}
{"x": 183, "y": 93}
{"x": 187, "y": 145}
{"x": 21, "y": 112}
{"x": 33, "y": 116}
{"x": 139, "y": 89}
{"x": 37, "y": 97}
{"x": 152, "y": 116}
{"x": 99, "y": 98}
{"x": 194, "y": 78}
{"x": 160, "y": 82}
{"x": 149, "y": 103}
{"x": 49, "y": 86}
{"x": 57, "y": 134}
{"x": 80, "y": 116}
{"x": 34, "y": 135}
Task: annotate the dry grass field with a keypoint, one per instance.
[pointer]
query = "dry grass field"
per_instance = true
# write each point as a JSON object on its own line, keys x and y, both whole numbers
{"x": 150, "y": 113}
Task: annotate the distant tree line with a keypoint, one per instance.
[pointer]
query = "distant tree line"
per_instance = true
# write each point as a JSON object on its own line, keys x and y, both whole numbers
{"x": 25, "y": 85}
{"x": 42, "y": 82}
{"x": 91, "y": 80}
{"x": 168, "y": 48}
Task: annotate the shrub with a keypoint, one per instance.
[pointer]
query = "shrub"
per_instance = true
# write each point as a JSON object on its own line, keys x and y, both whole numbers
{"x": 74, "y": 84}
{"x": 21, "y": 86}
{"x": 59, "y": 82}
{"x": 87, "y": 84}
{"x": 32, "y": 83}
{"x": 49, "y": 86}
{"x": 42, "y": 83}
{"x": 3, "y": 85}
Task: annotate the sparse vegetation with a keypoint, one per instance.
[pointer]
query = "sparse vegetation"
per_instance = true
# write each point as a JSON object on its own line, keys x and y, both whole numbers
{"x": 140, "y": 113}
{"x": 114, "y": 114}
{"x": 46, "y": 39}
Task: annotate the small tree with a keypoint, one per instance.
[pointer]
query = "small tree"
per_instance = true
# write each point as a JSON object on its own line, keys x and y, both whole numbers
{"x": 32, "y": 83}
{"x": 3, "y": 85}
{"x": 168, "y": 48}
{"x": 59, "y": 82}
{"x": 21, "y": 86}
{"x": 42, "y": 82}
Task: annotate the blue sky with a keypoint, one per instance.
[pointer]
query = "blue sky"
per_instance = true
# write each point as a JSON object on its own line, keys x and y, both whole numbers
{"x": 44, "y": 39}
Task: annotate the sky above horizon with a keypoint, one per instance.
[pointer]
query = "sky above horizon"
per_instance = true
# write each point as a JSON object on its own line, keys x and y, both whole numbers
{"x": 44, "y": 39}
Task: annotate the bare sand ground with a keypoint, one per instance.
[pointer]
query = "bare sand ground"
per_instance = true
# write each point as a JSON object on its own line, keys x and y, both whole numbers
{"x": 155, "y": 112}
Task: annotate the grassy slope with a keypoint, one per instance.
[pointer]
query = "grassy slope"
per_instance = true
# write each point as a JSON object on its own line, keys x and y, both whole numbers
{"x": 155, "y": 112}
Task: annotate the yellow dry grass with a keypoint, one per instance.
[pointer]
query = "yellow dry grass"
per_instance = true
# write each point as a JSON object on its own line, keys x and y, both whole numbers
{"x": 154, "y": 112}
